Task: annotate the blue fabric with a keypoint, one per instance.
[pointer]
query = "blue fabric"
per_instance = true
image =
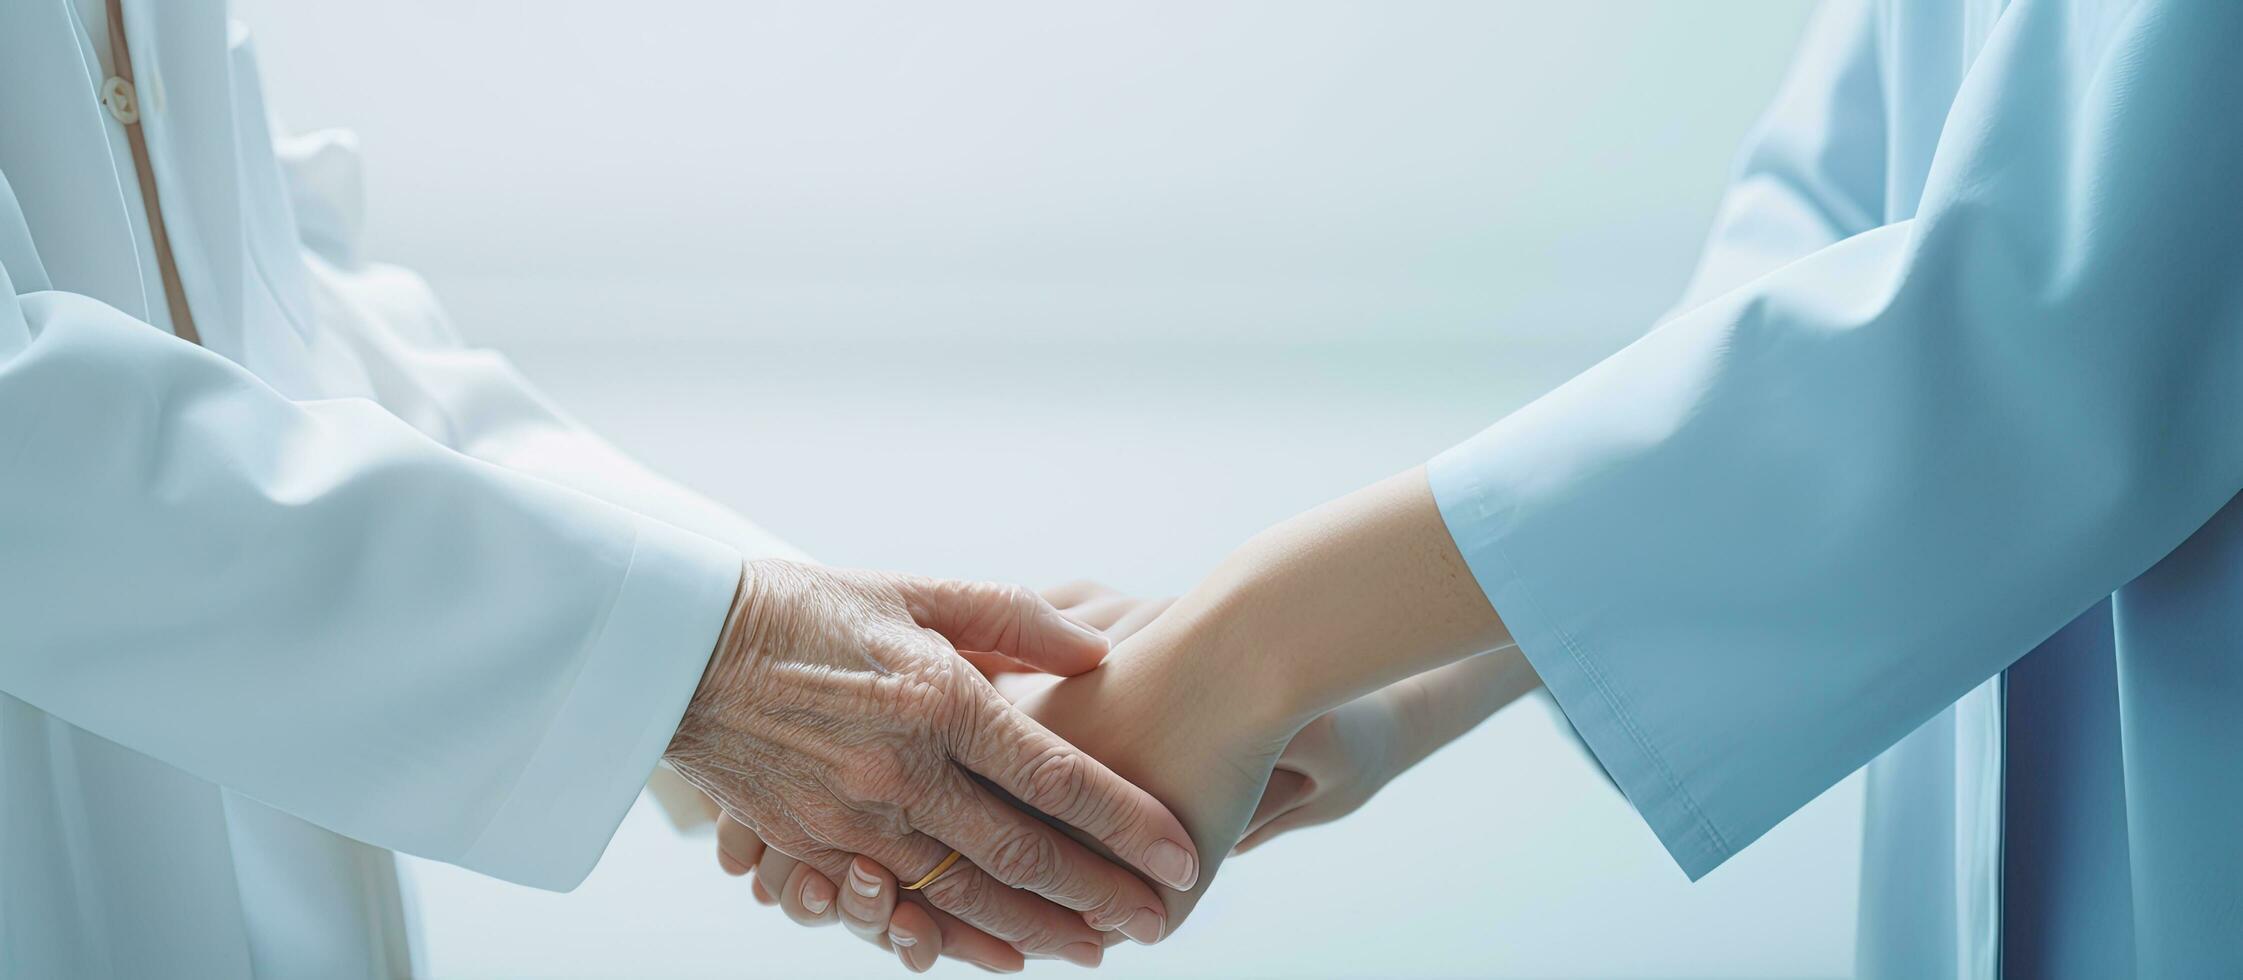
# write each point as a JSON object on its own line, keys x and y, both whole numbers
{"x": 1956, "y": 370}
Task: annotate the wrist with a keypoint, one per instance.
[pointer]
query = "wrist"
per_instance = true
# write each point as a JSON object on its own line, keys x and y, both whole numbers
{"x": 724, "y": 662}
{"x": 1209, "y": 654}
{"x": 1336, "y": 603}
{"x": 1235, "y": 642}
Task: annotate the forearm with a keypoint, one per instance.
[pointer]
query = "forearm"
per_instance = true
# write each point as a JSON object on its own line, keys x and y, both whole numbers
{"x": 1336, "y": 603}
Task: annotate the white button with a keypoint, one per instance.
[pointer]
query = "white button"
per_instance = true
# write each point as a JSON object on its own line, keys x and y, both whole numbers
{"x": 117, "y": 94}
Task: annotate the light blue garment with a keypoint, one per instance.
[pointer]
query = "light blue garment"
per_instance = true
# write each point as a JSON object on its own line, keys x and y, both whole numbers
{"x": 1960, "y": 380}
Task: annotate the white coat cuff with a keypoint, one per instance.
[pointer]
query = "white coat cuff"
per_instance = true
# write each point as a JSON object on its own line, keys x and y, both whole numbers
{"x": 625, "y": 704}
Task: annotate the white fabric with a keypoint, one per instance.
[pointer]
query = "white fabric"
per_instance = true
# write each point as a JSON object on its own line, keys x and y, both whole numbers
{"x": 332, "y": 585}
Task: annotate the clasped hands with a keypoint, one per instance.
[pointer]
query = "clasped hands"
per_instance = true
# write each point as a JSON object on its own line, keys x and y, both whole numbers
{"x": 1226, "y": 790}
{"x": 852, "y": 732}
{"x": 837, "y": 718}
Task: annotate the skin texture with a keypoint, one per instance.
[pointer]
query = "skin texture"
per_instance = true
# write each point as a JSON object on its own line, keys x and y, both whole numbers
{"x": 837, "y": 718}
{"x": 1364, "y": 595}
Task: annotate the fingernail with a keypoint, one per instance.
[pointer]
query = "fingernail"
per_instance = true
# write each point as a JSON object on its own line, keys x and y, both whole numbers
{"x": 899, "y": 937}
{"x": 1144, "y": 926}
{"x": 863, "y": 884}
{"x": 815, "y": 899}
{"x": 1082, "y": 954}
{"x": 1172, "y": 864}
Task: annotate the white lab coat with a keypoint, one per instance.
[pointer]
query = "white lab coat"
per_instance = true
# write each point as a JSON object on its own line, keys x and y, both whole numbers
{"x": 327, "y": 586}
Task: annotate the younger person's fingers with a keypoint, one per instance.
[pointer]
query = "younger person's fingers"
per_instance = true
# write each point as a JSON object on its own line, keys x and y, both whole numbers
{"x": 771, "y": 873}
{"x": 809, "y": 897}
{"x": 1286, "y": 790}
{"x": 915, "y": 937}
{"x": 1137, "y": 619}
{"x": 1101, "y": 612}
{"x": 738, "y": 848}
{"x": 804, "y": 894}
{"x": 1289, "y": 820}
{"x": 967, "y": 944}
{"x": 993, "y": 665}
{"x": 868, "y": 898}
{"x": 1075, "y": 593}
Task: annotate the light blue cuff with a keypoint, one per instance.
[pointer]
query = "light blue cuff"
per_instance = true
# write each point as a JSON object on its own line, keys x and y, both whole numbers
{"x": 619, "y": 715}
{"x": 1470, "y": 487}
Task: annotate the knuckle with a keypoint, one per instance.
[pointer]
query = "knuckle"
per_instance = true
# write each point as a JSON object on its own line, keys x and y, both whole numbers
{"x": 1039, "y": 936}
{"x": 1021, "y": 598}
{"x": 1059, "y": 783}
{"x": 1025, "y": 860}
{"x": 1023, "y": 606}
{"x": 966, "y": 896}
{"x": 877, "y": 774}
{"x": 1114, "y": 903}
{"x": 948, "y": 703}
{"x": 1114, "y": 911}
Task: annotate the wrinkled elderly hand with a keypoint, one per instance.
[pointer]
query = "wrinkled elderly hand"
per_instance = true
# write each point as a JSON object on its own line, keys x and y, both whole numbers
{"x": 871, "y": 906}
{"x": 1158, "y": 711}
{"x": 838, "y": 718}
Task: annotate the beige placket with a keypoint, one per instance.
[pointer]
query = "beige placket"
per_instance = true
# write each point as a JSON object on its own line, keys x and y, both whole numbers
{"x": 123, "y": 101}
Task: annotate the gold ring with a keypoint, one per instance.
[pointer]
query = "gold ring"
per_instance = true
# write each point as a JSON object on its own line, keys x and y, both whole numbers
{"x": 932, "y": 875}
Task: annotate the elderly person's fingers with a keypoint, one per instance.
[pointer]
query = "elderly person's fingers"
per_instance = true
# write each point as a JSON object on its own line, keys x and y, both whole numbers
{"x": 917, "y": 932}
{"x": 1031, "y": 923}
{"x": 992, "y": 665}
{"x": 1048, "y": 775}
{"x": 920, "y": 935}
{"x": 832, "y": 720}
{"x": 1023, "y": 852}
{"x": 989, "y": 617}
{"x": 959, "y": 941}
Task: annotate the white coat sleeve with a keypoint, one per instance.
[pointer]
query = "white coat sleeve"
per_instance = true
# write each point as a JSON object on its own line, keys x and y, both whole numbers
{"x": 314, "y": 605}
{"x": 1763, "y": 543}
{"x": 470, "y": 399}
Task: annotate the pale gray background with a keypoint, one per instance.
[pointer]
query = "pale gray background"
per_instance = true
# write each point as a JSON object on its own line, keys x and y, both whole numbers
{"x": 1038, "y": 291}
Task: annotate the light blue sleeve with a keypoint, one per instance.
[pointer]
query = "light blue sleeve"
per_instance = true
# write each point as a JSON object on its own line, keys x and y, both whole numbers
{"x": 1812, "y": 171}
{"x": 1775, "y": 535}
